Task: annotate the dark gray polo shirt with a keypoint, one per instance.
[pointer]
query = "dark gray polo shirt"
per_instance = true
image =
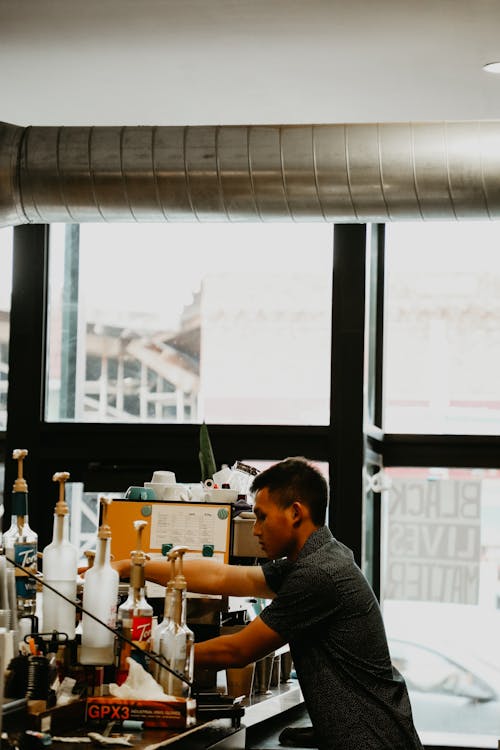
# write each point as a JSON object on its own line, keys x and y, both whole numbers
{"x": 328, "y": 613}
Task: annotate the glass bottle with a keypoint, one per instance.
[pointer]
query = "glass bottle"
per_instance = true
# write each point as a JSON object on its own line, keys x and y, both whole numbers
{"x": 21, "y": 542}
{"x": 179, "y": 649}
{"x": 159, "y": 631}
{"x": 135, "y": 614}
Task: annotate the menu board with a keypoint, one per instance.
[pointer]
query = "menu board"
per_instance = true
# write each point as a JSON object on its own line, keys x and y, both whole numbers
{"x": 194, "y": 525}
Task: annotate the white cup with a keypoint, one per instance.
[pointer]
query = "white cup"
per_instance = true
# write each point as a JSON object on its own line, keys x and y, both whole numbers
{"x": 175, "y": 492}
{"x": 222, "y": 495}
{"x": 197, "y": 492}
{"x": 157, "y": 488}
{"x": 163, "y": 477}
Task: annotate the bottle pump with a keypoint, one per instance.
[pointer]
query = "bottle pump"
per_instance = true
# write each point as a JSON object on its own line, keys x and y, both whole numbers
{"x": 135, "y": 614}
{"x": 100, "y": 597}
{"x": 60, "y": 568}
{"x": 21, "y": 542}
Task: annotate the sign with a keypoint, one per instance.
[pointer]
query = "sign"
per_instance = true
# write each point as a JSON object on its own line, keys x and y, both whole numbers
{"x": 170, "y": 522}
{"x": 433, "y": 540}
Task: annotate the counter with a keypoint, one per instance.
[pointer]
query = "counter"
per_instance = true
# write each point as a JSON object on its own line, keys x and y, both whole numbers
{"x": 212, "y": 734}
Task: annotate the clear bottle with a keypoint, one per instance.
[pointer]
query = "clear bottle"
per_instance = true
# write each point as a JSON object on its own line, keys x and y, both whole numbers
{"x": 21, "y": 542}
{"x": 60, "y": 570}
{"x": 160, "y": 629}
{"x": 167, "y": 635}
{"x": 135, "y": 614}
{"x": 179, "y": 640}
{"x": 100, "y": 598}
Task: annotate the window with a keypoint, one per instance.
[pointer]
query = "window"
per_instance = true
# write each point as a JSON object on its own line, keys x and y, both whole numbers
{"x": 442, "y": 329}
{"x": 6, "y": 244}
{"x": 441, "y": 598}
{"x": 6, "y": 241}
{"x": 184, "y": 323}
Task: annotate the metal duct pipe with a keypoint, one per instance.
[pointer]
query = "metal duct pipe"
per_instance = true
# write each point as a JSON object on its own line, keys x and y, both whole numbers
{"x": 341, "y": 173}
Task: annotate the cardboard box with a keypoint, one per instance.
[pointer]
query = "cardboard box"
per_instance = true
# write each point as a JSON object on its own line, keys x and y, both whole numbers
{"x": 173, "y": 714}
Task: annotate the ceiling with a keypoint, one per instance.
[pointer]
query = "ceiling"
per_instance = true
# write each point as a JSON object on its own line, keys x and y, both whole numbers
{"x": 178, "y": 62}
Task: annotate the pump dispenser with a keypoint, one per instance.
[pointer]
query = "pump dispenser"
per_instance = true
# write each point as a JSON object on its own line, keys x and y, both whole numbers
{"x": 135, "y": 614}
{"x": 60, "y": 570}
{"x": 21, "y": 542}
{"x": 100, "y": 597}
{"x": 180, "y": 647}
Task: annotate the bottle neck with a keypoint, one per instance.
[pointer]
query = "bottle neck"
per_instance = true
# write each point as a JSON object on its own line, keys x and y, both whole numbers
{"x": 179, "y": 607}
{"x": 19, "y": 504}
{"x": 19, "y": 520}
{"x": 136, "y": 600}
{"x": 61, "y": 528}
{"x": 169, "y": 603}
{"x": 103, "y": 556}
{"x": 20, "y": 527}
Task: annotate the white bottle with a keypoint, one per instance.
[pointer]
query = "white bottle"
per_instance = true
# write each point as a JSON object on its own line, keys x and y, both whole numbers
{"x": 60, "y": 570}
{"x": 100, "y": 597}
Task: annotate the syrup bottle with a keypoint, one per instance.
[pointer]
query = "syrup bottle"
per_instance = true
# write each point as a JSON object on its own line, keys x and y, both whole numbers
{"x": 179, "y": 648}
{"x": 60, "y": 570}
{"x": 135, "y": 614}
{"x": 21, "y": 542}
{"x": 100, "y": 597}
{"x": 159, "y": 631}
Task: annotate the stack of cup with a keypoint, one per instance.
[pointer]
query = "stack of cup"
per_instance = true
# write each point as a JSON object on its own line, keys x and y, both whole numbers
{"x": 165, "y": 486}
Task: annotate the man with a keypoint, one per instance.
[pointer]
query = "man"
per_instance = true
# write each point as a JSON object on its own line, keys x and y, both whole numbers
{"x": 321, "y": 605}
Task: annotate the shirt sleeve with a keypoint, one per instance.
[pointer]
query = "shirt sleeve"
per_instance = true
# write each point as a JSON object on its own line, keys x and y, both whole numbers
{"x": 275, "y": 573}
{"x": 305, "y": 598}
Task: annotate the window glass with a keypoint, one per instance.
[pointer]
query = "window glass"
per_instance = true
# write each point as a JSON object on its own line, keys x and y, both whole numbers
{"x": 442, "y": 329}
{"x": 183, "y": 323}
{"x": 6, "y": 244}
{"x": 441, "y": 598}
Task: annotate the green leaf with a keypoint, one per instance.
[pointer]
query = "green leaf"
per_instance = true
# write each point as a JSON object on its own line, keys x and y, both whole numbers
{"x": 206, "y": 455}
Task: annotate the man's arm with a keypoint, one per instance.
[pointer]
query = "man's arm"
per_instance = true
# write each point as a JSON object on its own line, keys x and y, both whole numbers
{"x": 207, "y": 577}
{"x": 253, "y": 642}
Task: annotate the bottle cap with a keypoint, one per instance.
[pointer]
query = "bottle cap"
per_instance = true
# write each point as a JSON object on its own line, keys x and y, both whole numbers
{"x": 61, "y": 508}
{"x": 19, "y": 454}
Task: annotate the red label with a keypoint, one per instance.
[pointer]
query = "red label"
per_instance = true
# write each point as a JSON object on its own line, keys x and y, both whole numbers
{"x": 141, "y": 629}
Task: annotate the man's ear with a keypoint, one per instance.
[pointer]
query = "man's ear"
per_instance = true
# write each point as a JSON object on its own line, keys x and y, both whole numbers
{"x": 299, "y": 511}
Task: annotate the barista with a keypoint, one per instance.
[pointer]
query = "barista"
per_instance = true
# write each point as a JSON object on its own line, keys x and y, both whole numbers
{"x": 321, "y": 605}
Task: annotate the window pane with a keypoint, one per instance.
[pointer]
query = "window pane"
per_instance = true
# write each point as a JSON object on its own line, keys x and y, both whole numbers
{"x": 442, "y": 354}
{"x": 6, "y": 244}
{"x": 183, "y": 323}
{"x": 441, "y": 599}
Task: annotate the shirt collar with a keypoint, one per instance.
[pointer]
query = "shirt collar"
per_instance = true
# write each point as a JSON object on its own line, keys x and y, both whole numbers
{"x": 315, "y": 541}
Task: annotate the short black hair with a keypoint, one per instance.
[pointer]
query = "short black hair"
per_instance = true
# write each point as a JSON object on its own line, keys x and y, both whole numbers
{"x": 296, "y": 479}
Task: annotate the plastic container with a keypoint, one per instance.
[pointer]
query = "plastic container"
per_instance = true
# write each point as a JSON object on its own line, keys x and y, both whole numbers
{"x": 60, "y": 569}
{"x": 100, "y": 597}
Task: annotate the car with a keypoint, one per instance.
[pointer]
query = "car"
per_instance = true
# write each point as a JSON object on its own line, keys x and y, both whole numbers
{"x": 452, "y": 696}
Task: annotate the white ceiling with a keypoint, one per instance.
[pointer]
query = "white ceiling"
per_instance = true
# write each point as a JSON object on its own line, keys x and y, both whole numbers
{"x": 169, "y": 62}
